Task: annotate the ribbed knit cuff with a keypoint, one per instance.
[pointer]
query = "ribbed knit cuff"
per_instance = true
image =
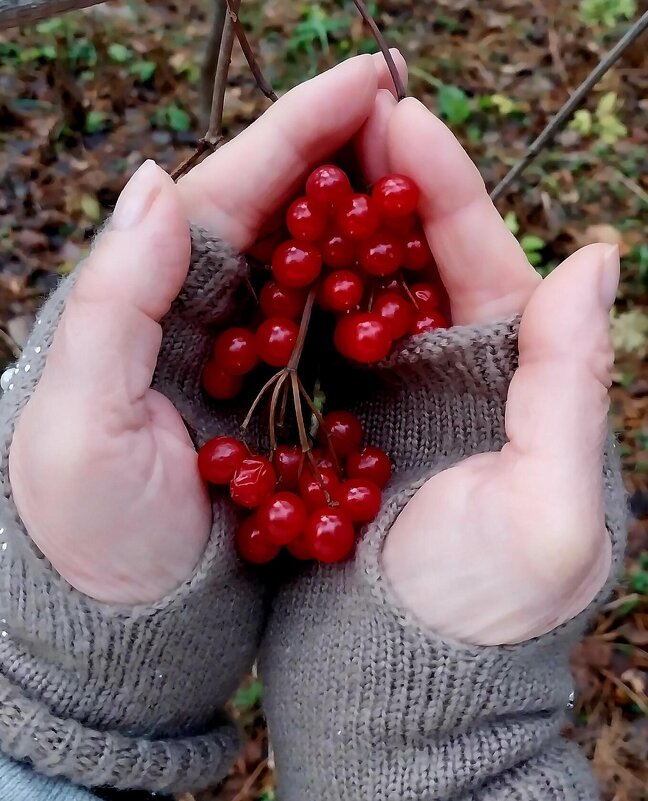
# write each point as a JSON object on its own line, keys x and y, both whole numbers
{"x": 385, "y": 708}
{"x": 109, "y": 695}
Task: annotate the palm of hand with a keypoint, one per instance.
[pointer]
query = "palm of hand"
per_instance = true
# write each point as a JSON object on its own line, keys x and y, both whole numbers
{"x": 136, "y": 524}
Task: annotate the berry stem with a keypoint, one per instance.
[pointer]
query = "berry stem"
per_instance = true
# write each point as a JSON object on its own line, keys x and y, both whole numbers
{"x": 284, "y": 405}
{"x": 273, "y": 410}
{"x": 259, "y": 398}
{"x": 320, "y": 420}
{"x": 303, "y": 330}
{"x": 407, "y": 291}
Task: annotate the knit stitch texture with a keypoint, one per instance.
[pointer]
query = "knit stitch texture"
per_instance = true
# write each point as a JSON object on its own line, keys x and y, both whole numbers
{"x": 130, "y": 697}
{"x": 364, "y": 702}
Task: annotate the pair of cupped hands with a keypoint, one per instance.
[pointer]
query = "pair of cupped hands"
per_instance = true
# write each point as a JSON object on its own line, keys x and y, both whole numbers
{"x": 500, "y": 548}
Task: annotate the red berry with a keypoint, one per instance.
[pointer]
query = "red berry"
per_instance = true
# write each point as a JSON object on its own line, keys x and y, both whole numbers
{"x": 275, "y": 340}
{"x": 427, "y": 320}
{"x": 235, "y": 351}
{"x": 402, "y": 225}
{"x": 356, "y": 217}
{"x": 360, "y": 499}
{"x": 329, "y": 535}
{"x": 369, "y": 463}
{"x": 219, "y": 384}
{"x": 253, "y": 482}
{"x": 296, "y": 264}
{"x": 425, "y": 296}
{"x": 281, "y": 301}
{"x": 395, "y": 311}
{"x": 418, "y": 255}
{"x": 299, "y": 549}
{"x": 327, "y": 185}
{"x": 282, "y": 517}
{"x": 337, "y": 252}
{"x": 219, "y": 457}
{"x": 313, "y": 487}
{"x": 305, "y": 221}
{"x": 363, "y": 337}
{"x": 395, "y": 196}
{"x": 341, "y": 291}
{"x": 381, "y": 254}
{"x": 344, "y": 432}
{"x": 323, "y": 458}
{"x": 252, "y": 543}
{"x": 288, "y": 461}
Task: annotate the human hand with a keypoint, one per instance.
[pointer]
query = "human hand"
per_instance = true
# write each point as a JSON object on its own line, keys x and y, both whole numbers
{"x": 492, "y": 530}
{"x": 502, "y": 547}
{"x": 102, "y": 468}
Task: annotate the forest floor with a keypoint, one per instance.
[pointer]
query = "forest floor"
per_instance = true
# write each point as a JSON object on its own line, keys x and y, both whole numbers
{"x": 86, "y": 97}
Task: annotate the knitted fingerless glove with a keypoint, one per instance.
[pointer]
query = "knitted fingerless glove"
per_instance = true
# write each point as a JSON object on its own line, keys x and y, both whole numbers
{"x": 110, "y": 695}
{"x": 362, "y": 701}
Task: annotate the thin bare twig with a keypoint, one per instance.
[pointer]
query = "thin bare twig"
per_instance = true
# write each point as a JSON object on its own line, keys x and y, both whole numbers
{"x": 384, "y": 47}
{"x": 210, "y": 61}
{"x": 214, "y": 132}
{"x": 190, "y": 162}
{"x": 244, "y": 792}
{"x": 25, "y": 12}
{"x": 246, "y": 47}
{"x": 574, "y": 102}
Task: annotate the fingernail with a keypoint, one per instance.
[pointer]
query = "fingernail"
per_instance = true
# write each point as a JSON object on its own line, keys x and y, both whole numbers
{"x": 609, "y": 276}
{"x": 137, "y": 197}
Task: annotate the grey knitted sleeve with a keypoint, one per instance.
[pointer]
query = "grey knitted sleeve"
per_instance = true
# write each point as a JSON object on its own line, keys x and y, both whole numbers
{"x": 362, "y": 701}
{"x": 129, "y": 697}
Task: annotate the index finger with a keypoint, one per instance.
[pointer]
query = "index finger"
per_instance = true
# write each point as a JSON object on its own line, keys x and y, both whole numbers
{"x": 483, "y": 268}
{"x": 233, "y": 191}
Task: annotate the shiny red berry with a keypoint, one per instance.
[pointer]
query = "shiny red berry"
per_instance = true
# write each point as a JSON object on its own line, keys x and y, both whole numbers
{"x": 282, "y": 517}
{"x": 395, "y": 311}
{"x": 395, "y": 196}
{"x": 327, "y": 185}
{"x": 426, "y": 297}
{"x": 357, "y": 218}
{"x": 363, "y": 337}
{"x": 305, "y": 220}
{"x": 402, "y": 225}
{"x": 219, "y": 458}
{"x": 253, "y": 482}
{"x": 360, "y": 498}
{"x": 299, "y": 549}
{"x": 337, "y": 252}
{"x": 275, "y": 340}
{"x": 219, "y": 384}
{"x": 427, "y": 320}
{"x": 344, "y": 432}
{"x": 418, "y": 255}
{"x": 323, "y": 458}
{"x": 329, "y": 535}
{"x": 296, "y": 264}
{"x": 288, "y": 461}
{"x": 281, "y": 301}
{"x": 369, "y": 463}
{"x": 314, "y": 487}
{"x": 235, "y": 351}
{"x": 340, "y": 291}
{"x": 381, "y": 254}
{"x": 253, "y": 544}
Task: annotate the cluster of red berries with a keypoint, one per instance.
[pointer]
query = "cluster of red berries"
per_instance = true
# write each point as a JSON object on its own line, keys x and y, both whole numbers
{"x": 312, "y": 506}
{"x": 363, "y": 253}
